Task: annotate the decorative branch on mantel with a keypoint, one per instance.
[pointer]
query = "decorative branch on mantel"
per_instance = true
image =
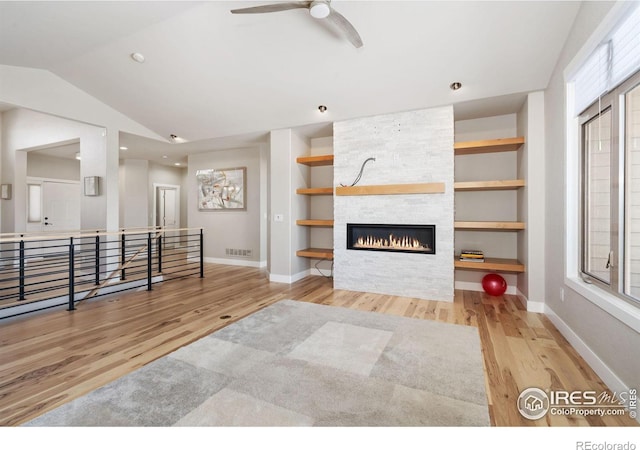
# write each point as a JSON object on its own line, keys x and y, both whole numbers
{"x": 392, "y": 189}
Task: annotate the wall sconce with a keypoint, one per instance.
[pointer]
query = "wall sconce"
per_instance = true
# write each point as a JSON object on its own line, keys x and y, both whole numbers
{"x": 6, "y": 192}
{"x": 91, "y": 186}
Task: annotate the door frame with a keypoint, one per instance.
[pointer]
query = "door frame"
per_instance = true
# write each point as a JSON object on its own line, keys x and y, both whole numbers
{"x": 155, "y": 202}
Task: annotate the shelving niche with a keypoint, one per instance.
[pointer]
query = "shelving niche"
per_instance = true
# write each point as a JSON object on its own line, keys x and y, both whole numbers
{"x": 316, "y": 223}
{"x": 476, "y": 148}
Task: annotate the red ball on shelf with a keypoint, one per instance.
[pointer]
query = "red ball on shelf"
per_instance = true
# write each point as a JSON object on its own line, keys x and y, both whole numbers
{"x": 494, "y": 284}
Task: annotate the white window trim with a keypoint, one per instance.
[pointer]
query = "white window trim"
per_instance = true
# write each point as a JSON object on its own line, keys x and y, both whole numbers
{"x": 613, "y": 305}
{"x": 617, "y": 307}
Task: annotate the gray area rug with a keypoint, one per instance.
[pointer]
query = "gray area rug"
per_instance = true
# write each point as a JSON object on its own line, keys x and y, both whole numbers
{"x": 301, "y": 364}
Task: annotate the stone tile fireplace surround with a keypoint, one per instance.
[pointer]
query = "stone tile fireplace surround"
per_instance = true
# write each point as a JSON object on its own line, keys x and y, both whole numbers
{"x": 408, "y": 147}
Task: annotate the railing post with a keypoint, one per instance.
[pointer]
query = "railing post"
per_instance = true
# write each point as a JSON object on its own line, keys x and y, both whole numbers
{"x": 21, "y": 268}
{"x": 97, "y": 259}
{"x": 201, "y": 254}
{"x": 123, "y": 259}
{"x": 72, "y": 277}
{"x": 159, "y": 251}
{"x": 149, "y": 250}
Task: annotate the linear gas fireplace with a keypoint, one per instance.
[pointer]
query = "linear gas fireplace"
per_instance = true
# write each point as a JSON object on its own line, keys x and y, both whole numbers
{"x": 392, "y": 238}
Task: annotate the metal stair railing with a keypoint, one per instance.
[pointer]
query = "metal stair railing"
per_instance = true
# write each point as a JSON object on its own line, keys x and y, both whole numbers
{"x": 55, "y": 269}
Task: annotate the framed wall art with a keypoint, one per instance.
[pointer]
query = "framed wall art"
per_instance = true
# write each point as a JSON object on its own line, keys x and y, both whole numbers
{"x": 222, "y": 189}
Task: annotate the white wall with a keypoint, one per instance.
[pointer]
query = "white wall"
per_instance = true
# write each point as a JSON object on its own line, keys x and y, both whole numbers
{"x": 228, "y": 229}
{"x": 264, "y": 206}
{"x": 285, "y": 176}
{"x": 46, "y": 166}
{"x": 23, "y": 130}
{"x": 531, "y": 202}
{"x": 607, "y": 343}
{"x": 134, "y": 193}
{"x": 137, "y": 180}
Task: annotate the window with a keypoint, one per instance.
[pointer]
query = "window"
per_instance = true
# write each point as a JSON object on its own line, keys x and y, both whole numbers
{"x": 606, "y": 98}
{"x": 596, "y": 143}
{"x": 632, "y": 193}
{"x": 34, "y": 203}
{"x": 610, "y": 140}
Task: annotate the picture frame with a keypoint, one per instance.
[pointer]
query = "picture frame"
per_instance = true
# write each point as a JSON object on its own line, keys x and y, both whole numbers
{"x": 5, "y": 192}
{"x": 222, "y": 189}
{"x": 91, "y": 186}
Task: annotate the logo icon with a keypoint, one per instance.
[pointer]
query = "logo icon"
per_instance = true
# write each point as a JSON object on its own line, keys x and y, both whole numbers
{"x": 533, "y": 403}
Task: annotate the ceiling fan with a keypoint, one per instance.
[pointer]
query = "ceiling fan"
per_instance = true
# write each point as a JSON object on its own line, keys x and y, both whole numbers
{"x": 319, "y": 9}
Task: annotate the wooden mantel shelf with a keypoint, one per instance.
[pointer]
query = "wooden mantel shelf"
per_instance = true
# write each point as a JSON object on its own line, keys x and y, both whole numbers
{"x": 392, "y": 189}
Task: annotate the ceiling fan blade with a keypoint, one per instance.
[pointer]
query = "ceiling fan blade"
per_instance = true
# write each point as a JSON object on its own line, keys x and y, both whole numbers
{"x": 276, "y": 7}
{"x": 345, "y": 26}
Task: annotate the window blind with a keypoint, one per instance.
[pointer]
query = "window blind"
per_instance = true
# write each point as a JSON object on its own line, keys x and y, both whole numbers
{"x": 613, "y": 61}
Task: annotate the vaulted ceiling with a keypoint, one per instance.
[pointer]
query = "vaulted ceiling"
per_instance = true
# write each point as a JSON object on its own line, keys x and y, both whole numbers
{"x": 209, "y": 74}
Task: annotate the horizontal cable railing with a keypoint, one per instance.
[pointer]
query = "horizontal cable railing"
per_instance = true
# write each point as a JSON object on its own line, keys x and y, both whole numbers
{"x": 48, "y": 270}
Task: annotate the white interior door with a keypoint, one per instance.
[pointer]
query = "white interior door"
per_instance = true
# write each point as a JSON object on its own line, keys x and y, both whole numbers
{"x": 60, "y": 206}
{"x": 167, "y": 214}
{"x": 168, "y": 211}
{"x": 60, "y": 211}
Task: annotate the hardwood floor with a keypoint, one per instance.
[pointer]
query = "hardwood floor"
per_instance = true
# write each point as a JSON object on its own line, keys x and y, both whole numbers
{"x": 52, "y": 357}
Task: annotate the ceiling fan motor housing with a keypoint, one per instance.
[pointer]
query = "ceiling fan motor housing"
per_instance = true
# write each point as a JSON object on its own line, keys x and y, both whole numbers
{"x": 319, "y": 9}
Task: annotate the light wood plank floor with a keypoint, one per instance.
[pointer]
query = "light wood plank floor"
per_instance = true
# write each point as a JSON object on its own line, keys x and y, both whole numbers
{"x": 52, "y": 357}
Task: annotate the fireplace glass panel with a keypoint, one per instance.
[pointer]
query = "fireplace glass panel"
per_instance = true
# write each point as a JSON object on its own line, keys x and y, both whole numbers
{"x": 392, "y": 238}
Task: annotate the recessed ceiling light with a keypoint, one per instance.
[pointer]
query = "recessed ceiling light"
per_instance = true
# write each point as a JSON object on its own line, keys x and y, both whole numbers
{"x": 124, "y": 148}
{"x": 455, "y": 85}
{"x": 137, "y": 57}
{"x": 176, "y": 164}
{"x": 322, "y": 108}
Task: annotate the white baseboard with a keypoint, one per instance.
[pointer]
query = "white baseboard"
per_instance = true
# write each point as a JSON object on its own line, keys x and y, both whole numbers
{"x": 236, "y": 262}
{"x": 604, "y": 372}
{"x": 535, "y": 307}
{"x": 288, "y": 278}
{"x": 471, "y": 286}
